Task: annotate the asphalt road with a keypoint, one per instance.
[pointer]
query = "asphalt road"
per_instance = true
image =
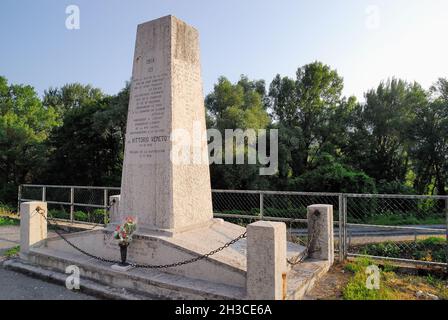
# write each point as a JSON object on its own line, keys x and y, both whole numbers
{"x": 17, "y": 286}
{"x": 377, "y": 234}
{"x": 364, "y": 231}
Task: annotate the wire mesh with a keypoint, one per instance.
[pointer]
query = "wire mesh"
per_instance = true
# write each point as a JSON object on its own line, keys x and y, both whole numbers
{"x": 398, "y": 227}
{"x": 236, "y": 203}
{"x": 390, "y": 226}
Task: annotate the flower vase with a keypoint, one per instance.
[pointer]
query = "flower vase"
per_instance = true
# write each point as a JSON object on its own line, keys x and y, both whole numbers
{"x": 124, "y": 253}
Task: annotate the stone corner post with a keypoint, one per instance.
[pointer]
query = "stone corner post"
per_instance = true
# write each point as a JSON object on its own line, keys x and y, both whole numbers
{"x": 114, "y": 213}
{"x": 33, "y": 226}
{"x": 320, "y": 232}
{"x": 266, "y": 260}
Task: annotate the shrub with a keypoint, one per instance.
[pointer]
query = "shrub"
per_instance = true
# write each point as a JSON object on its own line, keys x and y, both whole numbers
{"x": 5, "y": 209}
{"x": 393, "y": 187}
{"x": 98, "y": 216}
{"x": 430, "y": 249}
{"x": 5, "y": 221}
{"x": 334, "y": 177}
{"x": 58, "y": 214}
{"x": 80, "y": 216}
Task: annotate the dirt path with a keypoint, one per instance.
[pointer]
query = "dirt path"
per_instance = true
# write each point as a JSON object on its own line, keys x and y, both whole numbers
{"x": 330, "y": 286}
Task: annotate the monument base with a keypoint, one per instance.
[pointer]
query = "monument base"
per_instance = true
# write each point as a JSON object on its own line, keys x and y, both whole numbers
{"x": 220, "y": 276}
{"x": 122, "y": 268}
{"x": 100, "y": 279}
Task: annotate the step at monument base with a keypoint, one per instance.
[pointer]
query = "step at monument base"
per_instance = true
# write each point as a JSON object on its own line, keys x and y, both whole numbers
{"x": 225, "y": 267}
{"x": 98, "y": 278}
{"x": 139, "y": 283}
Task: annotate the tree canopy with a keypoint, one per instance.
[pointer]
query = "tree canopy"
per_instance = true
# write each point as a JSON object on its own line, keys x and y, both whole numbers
{"x": 395, "y": 141}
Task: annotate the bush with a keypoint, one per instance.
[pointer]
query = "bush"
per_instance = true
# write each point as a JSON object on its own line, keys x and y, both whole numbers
{"x": 5, "y": 221}
{"x": 393, "y": 187}
{"x": 5, "y": 209}
{"x": 334, "y": 177}
{"x": 58, "y": 214}
{"x": 430, "y": 249}
{"x": 384, "y": 249}
{"x": 80, "y": 216}
{"x": 99, "y": 216}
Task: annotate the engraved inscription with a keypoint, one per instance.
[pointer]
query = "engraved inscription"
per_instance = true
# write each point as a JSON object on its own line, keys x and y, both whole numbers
{"x": 147, "y": 135}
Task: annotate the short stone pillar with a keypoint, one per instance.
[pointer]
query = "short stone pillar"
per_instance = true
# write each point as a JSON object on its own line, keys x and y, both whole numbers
{"x": 266, "y": 260}
{"x": 33, "y": 226}
{"x": 320, "y": 232}
{"x": 114, "y": 214}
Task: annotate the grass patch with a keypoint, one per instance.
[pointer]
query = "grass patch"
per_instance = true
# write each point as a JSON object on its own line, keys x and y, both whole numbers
{"x": 12, "y": 252}
{"x": 356, "y": 288}
{"x": 6, "y": 221}
{"x": 430, "y": 249}
{"x": 397, "y": 220}
{"x": 393, "y": 286}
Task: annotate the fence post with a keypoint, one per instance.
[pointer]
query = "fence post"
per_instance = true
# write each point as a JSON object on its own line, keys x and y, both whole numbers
{"x": 44, "y": 194}
{"x": 261, "y": 205}
{"x": 72, "y": 202}
{"x": 341, "y": 247}
{"x": 105, "y": 206}
{"x": 446, "y": 231}
{"x": 344, "y": 225}
{"x": 19, "y": 198}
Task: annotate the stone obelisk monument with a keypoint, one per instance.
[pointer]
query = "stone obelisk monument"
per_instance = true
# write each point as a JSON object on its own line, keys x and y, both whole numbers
{"x": 166, "y": 94}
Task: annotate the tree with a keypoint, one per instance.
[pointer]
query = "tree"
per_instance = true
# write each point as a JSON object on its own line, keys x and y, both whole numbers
{"x": 88, "y": 147}
{"x": 70, "y": 96}
{"x": 24, "y": 127}
{"x": 429, "y": 142}
{"x": 237, "y": 106}
{"x": 379, "y": 137}
{"x": 310, "y": 106}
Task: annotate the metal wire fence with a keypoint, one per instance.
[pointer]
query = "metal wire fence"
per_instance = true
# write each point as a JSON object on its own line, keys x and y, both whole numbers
{"x": 397, "y": 227}
{"x": 72, "y": 203}
{"x": 402, "y": 228}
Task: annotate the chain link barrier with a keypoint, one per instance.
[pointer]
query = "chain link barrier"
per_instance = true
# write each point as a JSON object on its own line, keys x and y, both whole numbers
{"x": 305, "y": 254}
{"x": 410, "y": 227}
{"x": 142, "y": 266}
{"x": 398, "y": 227}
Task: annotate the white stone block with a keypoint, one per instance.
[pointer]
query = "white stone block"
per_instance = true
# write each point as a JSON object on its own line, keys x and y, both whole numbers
{"x": 320, "y": 232}
{"x": 33, "y": 226}
{"x": 266, "y": 260}
{"x": 114, "y": 213}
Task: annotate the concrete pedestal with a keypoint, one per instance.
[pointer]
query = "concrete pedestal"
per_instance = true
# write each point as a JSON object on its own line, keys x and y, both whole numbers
{"x": 320, "y": 232}
{"x": 266, "y": 260}
{"x": 33, "y": 226}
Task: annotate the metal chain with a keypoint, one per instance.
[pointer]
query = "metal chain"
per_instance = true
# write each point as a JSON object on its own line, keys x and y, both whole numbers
{"x": 145, "y": 266}
{"x": 306, "y": 252}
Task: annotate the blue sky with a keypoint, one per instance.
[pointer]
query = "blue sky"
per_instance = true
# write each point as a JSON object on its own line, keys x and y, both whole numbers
{"x": 366, "y": 41}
